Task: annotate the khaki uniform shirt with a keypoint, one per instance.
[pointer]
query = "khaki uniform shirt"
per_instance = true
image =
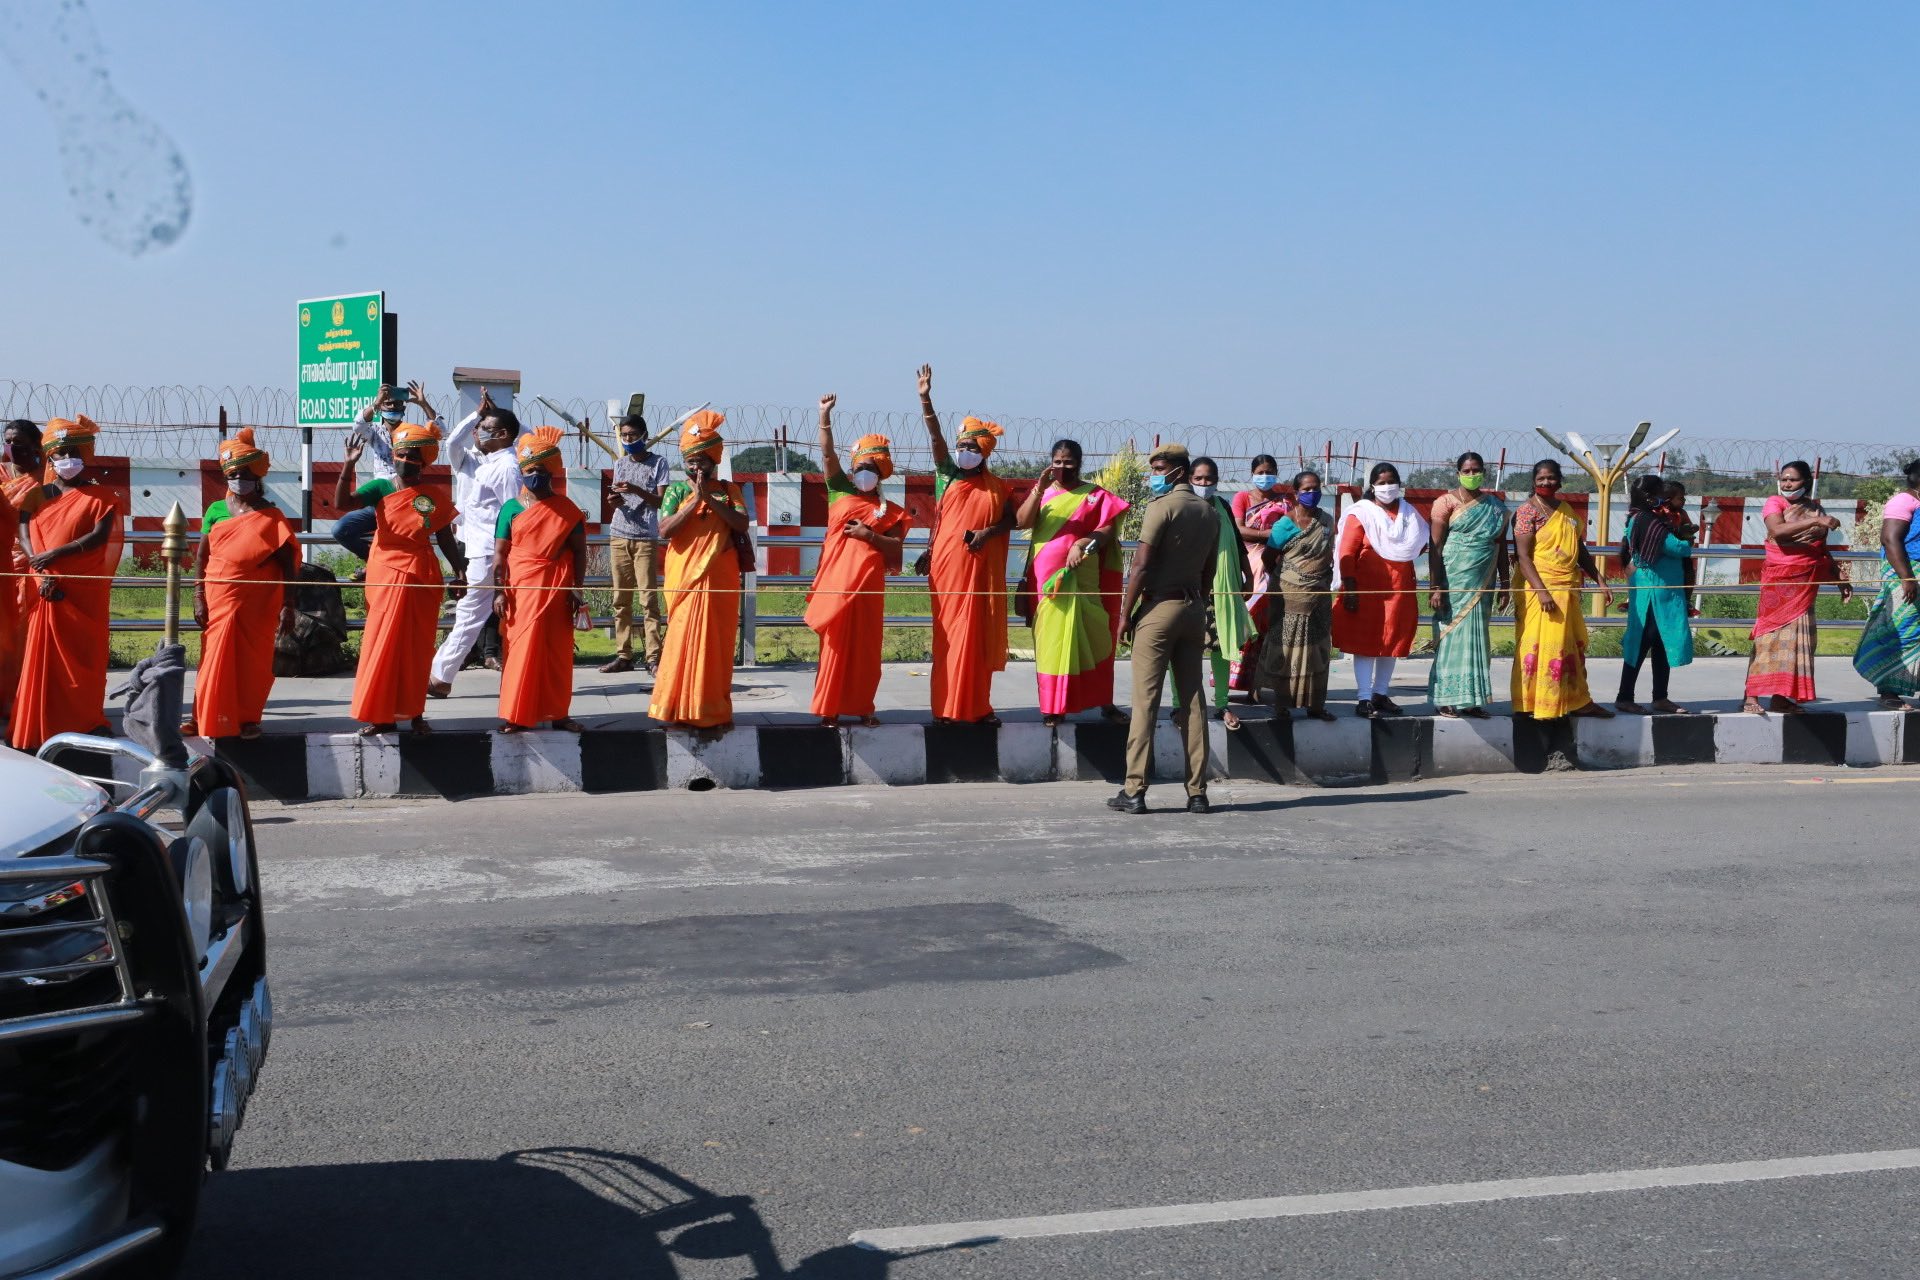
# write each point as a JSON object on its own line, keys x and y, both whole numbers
{"x": 1184, "y": 532}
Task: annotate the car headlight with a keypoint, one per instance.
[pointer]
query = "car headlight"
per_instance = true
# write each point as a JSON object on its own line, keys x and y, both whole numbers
{"x": 193, "y": 868}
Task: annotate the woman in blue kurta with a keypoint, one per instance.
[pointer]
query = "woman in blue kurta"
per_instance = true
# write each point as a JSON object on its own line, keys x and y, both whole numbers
{"x": 1656, "y": 603}
{"x": 1889, "y": 652}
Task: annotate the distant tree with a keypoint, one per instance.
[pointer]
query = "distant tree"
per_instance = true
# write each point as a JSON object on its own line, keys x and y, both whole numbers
{"x": 765, "y": 457}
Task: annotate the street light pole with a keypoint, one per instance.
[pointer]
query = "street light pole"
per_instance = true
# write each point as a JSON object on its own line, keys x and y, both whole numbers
{"x": 1610, "y": 467}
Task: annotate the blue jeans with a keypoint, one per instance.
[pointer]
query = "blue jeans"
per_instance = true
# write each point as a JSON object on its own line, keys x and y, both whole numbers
{"x": 354, "y": 531}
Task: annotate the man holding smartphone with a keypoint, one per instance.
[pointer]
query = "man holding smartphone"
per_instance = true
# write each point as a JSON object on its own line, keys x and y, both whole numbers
{"x": 633, "y": 544}
{"x": 372, "y": 428}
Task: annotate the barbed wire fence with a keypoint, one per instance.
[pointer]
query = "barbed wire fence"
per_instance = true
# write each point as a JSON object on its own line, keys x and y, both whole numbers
{"x": 179, "y": 425}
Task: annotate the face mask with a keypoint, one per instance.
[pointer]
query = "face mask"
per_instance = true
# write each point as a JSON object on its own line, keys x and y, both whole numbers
{"x": 392, "y": 417}
{"x": 1205, "y": 490}
{"x": 1308, "y": 498}
{"x": 1472, "y": 481}
{"x": 635, "y": 448}
{"x": 1546, "y": 488}
{"x": 1158, "y": 484}
{"x": 245, "y": 486}
{"x": 967, "y": 459}
{"x": 1386, "y": 493}
{"x": 536, "y": 481}
{"x": 1792, "y": 491}
{"x": 866, "y": 481}
{"x": 1265, "y": 482}
{"x": 68, "y": 468}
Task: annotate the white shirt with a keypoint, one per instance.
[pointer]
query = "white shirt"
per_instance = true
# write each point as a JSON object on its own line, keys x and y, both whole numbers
{"x": 377, "y": 462}
{"x": 482, "y": 484}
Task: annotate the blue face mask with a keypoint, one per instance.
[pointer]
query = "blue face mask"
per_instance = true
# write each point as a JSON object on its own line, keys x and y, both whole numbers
{"x": 1265, "y": 482}
{"x": 1158, "y": 484}
{"x": 1309, "y": 499}
{"x": 635, "y": 448}
{"x": 536, "y": 481}
{"x": 392, "y": 417}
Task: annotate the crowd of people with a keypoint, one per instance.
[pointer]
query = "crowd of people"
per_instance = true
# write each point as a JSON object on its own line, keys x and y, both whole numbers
{"x": 1256, "y": 593}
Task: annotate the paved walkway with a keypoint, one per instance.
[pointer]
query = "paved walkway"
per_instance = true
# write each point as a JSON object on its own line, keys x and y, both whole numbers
{"x": 779, "y": 695}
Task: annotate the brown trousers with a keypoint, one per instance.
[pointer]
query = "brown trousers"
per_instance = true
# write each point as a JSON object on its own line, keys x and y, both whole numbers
{"x": 1172, "y": 633}
{"x": 635, "y": 565}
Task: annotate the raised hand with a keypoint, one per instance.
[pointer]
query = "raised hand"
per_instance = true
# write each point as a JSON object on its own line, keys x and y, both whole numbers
{"x": 826, "y": 407}
{"x": 926, "y": 380}
{"x": 355, "y": 447}
{"x": 417, "y": 394}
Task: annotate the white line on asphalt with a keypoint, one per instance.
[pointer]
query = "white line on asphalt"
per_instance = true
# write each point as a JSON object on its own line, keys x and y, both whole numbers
{"x": 897, "y": 1239}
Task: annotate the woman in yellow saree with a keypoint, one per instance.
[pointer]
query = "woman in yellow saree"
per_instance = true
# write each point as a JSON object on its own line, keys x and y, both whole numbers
{"x": 1550, "y": 644}
{"x": 698, "y": 518}
{"x": 1074, "y": 579}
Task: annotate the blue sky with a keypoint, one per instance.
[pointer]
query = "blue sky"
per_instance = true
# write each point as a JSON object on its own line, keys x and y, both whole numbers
{"x": 1343, "y": 215}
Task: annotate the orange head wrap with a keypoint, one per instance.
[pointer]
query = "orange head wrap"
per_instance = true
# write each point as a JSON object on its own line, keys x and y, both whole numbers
{"x": 875, "y": 449}
{"x": 239, "y": 453}
{"x": 975, "y": 434}
{"x": 78, "y": 434}
{"x": 421, "y": 436}
{"x": 540, "y": 448}
{"x": 701, "y": 435}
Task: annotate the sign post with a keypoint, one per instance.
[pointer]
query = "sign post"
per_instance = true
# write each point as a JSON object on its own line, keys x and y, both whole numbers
{"x": 346, "y": 352}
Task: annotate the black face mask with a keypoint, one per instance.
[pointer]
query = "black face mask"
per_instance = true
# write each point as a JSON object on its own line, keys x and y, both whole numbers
{"x": 536, "y": 481}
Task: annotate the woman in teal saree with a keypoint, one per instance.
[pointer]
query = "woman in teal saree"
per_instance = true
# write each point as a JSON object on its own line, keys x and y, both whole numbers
{"x": 1468, "y": 576}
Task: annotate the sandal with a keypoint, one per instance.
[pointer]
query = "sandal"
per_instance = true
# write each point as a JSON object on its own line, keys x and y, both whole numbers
{"x": 1052, "y": 722}
{"x": 420, "y": 728}
{"x": 1630, "y": 708}
{"x": 1114, "y": 715}
{"x": 1448, "y": 712}
{"x": 1786, "y": 706}
{"x": 189, "y": 729}
{"x": 375, "y": 730}
{"x": 249, "y": 732}
{"x": 569, "y": 726}
{"x": 1476, "y": 713}
{"x": 1592, "y": 711}
{"x": 1888, "y": 702}
{"x": 829, "y": 722}
{"x": 1231, "y": 720}
{"x": 869, "y": 722}
{"x": 990, "y": 720}
{"x": 510, "y": 727}
{"x": 1668, "y": 707}
{"x": 1752, "y": 707}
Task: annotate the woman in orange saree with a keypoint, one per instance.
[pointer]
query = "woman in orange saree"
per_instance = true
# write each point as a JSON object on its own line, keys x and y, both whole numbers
{"x": 699, "y": 517}
{"x": 404, "y": 582}
{"x": 540, "y": 561}
{"x": 73, "y": 549}
{"x": 21, "y": 465}
{"x": 249, "y": 564}
{"x": 967, "y": 567}
{"x": 847, "y": 605}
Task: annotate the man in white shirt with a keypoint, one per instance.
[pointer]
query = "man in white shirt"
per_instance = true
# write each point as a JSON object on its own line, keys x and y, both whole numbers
{"x": 354, "y": 530}
{"x": 485, "y": 476}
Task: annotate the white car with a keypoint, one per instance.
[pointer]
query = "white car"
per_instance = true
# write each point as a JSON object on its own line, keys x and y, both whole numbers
{"x": 134, "y": 1011}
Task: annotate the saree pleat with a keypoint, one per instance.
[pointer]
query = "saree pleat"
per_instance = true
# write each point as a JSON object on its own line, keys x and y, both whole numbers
{"x": 537, "y": 683}
{"x": 1298, "y": 651}
{"x": 1076, "y": 619}
{"x": 1462, "y": 673}
{"x": 244, "y": 596}
{"x": 1550, "y": 653}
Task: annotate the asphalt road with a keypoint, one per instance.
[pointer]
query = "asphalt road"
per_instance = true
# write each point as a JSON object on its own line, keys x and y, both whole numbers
{"x": 716, "y": 1035}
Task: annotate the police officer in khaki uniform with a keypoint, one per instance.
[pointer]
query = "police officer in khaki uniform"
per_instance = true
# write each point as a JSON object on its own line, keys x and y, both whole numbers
{"x": 1165, "y": 606}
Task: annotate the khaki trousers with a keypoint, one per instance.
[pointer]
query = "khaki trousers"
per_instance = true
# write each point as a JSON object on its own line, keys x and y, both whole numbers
{"x": 635, "y": 565}
{"x": 1172, "y": 633}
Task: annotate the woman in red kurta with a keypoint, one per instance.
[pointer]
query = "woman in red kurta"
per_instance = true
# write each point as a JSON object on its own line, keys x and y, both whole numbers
{"x": 73, "y": 548}
{"x": 1381, "y": 536}
{"x": 967, "y": 567}
{"x": 249, "y": 564}
{"x": 847, "y": 606}
{"x": 404, "y": 582}
{"x": 541, "y": 563}
{"x": 21, "y": 466}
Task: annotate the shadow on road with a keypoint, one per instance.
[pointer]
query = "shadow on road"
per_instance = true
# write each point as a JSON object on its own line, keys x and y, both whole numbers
{"x": 1337, "y": 799}
{"x": 554, "y": 1211}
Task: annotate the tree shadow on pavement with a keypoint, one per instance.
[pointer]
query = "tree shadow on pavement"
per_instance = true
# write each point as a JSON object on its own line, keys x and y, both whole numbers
{"x": 553, "y": 1211}
{"x": 1339, "y": 798}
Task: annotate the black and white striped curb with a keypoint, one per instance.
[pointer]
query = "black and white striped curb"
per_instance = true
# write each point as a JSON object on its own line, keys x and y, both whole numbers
{"x": 1347, "y": 751}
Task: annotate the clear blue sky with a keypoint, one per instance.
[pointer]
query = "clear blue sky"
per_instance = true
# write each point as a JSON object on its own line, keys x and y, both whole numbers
{"x": 1351, "y": 215}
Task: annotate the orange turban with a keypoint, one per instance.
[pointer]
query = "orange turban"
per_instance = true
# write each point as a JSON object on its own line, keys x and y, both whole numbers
{"x": 239, "y": 453}
{"x": 975, "y": 434}
{"x": 78, "y": 433}
{"x": 875, "y": 449}
{"x": 540, "y": 447}
{"x": 423, "y": 436}
{"x": 702, "y": 435}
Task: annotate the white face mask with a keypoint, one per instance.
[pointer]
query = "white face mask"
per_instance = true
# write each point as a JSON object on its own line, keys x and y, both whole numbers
{"x": 866, "y": 481}
{"x": 1386, "y": 493}
{"x": 1205, "y": 490}
{"x": 245, "y": 486}
{"x": 68, "y": 468}
{"x": 1792, "y": 490}
{"x": 967, "y": 459}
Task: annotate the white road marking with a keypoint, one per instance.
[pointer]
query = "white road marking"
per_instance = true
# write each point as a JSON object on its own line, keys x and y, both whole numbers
{"x": 898, "y": 1239}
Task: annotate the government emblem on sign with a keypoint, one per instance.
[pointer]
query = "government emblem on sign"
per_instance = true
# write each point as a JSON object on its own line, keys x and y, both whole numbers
{"x": 339, "y": 314}
{"x": 373, "y": 308}
{"x": 306, "y": 316}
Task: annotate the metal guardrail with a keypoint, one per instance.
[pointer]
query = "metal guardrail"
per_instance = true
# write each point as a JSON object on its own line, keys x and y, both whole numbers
{"x": 751, "y": 619}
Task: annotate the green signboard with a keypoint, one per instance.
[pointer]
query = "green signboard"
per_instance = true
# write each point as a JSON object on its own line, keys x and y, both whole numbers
{"x": 342, "y": 357}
